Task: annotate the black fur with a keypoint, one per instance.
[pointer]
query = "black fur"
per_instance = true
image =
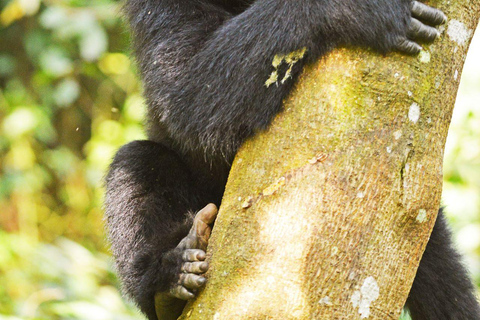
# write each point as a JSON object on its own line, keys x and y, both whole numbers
{"x": 204, "y": 65}
{"x": 442, "y": 289}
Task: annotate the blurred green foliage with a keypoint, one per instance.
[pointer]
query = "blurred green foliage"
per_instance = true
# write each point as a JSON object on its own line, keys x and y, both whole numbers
{"x": 62, "y": 280}
{"x": 461, "y": 187}
{"x": 69, "y": 97}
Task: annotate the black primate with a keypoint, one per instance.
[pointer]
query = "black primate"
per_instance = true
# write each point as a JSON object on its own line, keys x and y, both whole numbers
{"x": 209, "y": 84}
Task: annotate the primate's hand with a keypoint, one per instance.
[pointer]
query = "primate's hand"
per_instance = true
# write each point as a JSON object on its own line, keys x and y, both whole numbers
{"x": 420, "y": 27}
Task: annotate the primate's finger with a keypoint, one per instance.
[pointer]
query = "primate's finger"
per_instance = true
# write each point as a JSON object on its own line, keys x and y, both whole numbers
{"x": 428, "y": 14}
{"x": 407, "y": 46}
{"x": 420, "y": 31}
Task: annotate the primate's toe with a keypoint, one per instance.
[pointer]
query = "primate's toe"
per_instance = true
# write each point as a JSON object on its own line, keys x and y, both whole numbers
{"x": 202, "y": 224}
{"x": 192, "y": 281}
{"x": 191, "y": 255}
{"x": 195, "y": 267}
{"x": 199, "y": 234}
{"x": 180, "y": 292}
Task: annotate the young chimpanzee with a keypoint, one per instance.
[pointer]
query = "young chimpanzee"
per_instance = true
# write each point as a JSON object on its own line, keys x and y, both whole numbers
{"x": 206, "y": 66}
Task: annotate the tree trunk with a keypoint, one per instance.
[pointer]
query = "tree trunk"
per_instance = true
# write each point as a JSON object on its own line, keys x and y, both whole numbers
{"x": 326, "y": 215}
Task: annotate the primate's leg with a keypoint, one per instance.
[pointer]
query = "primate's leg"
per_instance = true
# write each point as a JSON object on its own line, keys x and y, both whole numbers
{"x": 442, "y": 289}
{"x": 158, "y": 242}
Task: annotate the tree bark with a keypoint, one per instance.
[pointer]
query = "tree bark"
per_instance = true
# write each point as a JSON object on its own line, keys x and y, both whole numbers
{"x": 326, "y": 215}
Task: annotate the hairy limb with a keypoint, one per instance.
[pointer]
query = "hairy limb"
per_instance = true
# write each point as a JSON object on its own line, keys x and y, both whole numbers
{"x": 442, "y": 289}
{"x": 201, "y": 62}
{"x": 149, "y": 196}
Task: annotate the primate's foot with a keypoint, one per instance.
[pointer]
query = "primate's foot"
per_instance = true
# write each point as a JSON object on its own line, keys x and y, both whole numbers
{"x": 194, "y": 246}
{"x": 420, "y": 27}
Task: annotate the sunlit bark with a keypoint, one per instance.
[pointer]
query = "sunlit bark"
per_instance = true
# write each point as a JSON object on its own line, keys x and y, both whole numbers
{"x": 326, "y": 214}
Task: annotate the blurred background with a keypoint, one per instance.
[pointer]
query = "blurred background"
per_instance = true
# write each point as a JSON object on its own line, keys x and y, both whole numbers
{"x": 69, "y": 97}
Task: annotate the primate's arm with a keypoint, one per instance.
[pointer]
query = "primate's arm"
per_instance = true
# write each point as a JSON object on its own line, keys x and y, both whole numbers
{"x": 224, "y": 62}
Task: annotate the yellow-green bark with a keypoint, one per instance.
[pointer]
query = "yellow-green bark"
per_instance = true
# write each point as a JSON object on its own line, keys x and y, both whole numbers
{"x": 335, "y": 202}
